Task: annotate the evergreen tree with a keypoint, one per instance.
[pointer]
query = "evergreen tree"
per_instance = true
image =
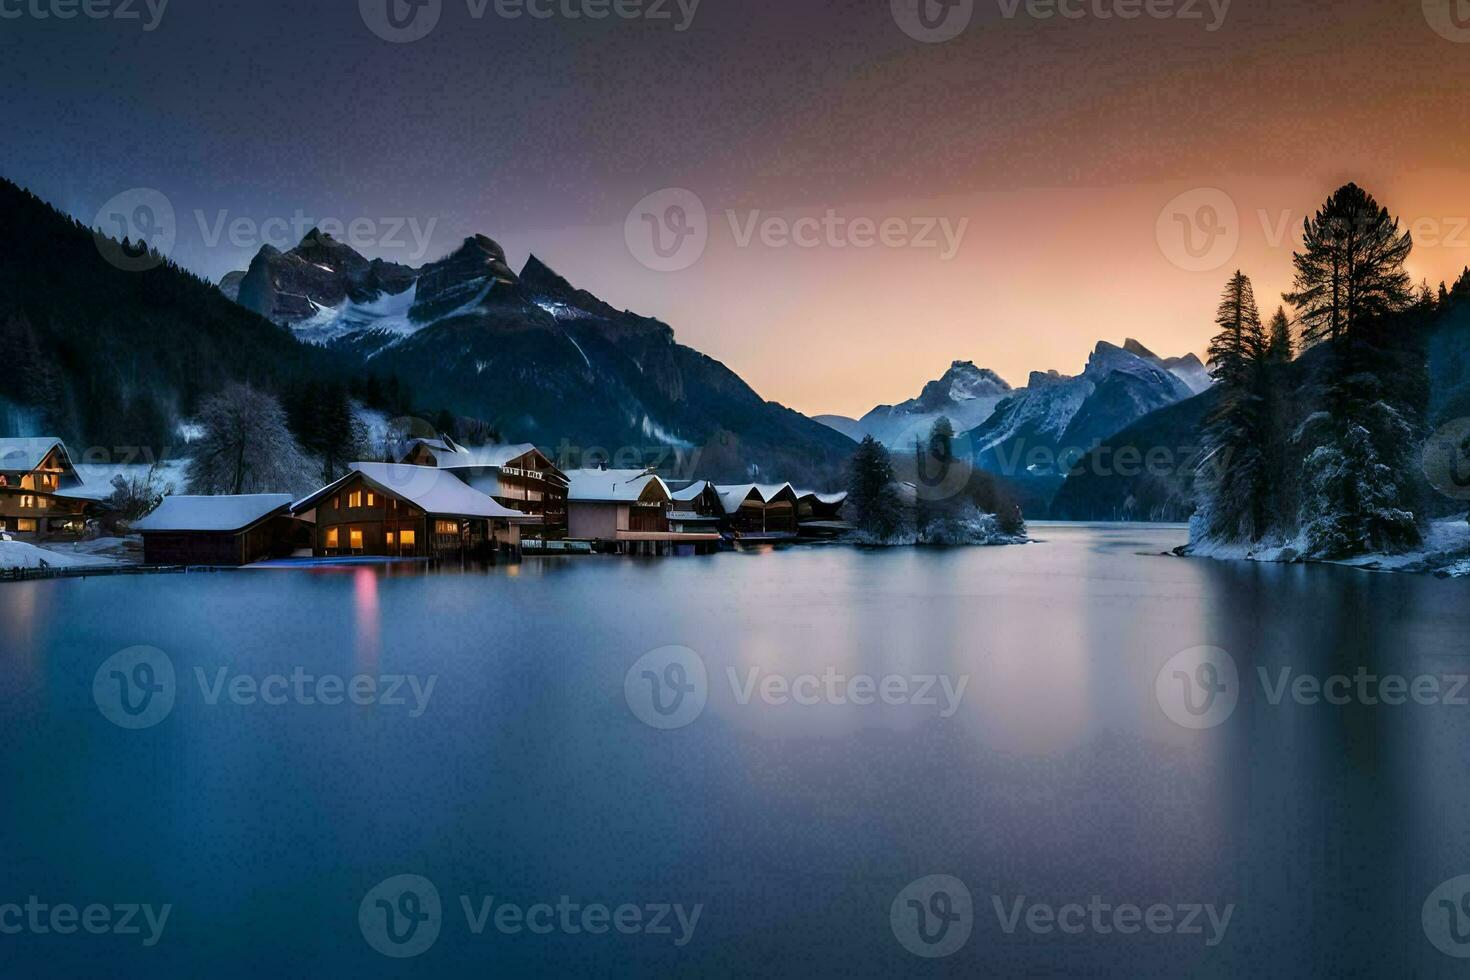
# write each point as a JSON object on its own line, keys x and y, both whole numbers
{"x": 1352, "y": 268}
{"x": 1358, "y": 446}
{"x": 1235, "y": 482}
{"x": 1280, "y": 348}
{"x": 873, "y": 499}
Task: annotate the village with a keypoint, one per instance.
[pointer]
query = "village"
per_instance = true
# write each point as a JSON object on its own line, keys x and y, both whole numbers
{"x": 438, "y": 501}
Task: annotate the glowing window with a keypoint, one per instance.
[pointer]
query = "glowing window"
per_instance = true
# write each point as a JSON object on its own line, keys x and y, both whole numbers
{"x": 447, "y": 527}
{"x": 407, "y": 539}
{"x": 25, "y": 526}
{"x": 390, "y": 539}
{"x": 332, "y": 538}
{"x": 372, "y": 499}
{"x": 355, "y": 536}
{"x": 354, "y": 500}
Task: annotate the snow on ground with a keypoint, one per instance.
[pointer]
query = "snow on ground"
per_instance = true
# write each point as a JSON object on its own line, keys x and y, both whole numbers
{"x": 98, "y": 476}
{"x": 19, "y": 554}
{"x": 1446, "y": 550}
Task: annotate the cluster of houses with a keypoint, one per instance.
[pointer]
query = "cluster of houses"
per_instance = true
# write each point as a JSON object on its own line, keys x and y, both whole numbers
{"x": 440, "y": 499}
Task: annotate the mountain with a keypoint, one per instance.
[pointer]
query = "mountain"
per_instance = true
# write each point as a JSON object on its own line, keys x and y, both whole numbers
{"x": 543, "y": 360}
{"x": 965, "y": 394}
{"x": 110, "y": 357}
{"x": 1035, "y": 435}
{"x": 1189, "y": 368}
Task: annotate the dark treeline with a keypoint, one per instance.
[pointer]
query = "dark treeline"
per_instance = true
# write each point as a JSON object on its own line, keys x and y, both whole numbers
{"x": 1322, "y": 451}
{"x": 109, "y": 346}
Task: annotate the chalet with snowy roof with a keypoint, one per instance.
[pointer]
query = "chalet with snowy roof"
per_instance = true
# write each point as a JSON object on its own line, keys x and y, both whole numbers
{"x": 519, "y": 477}
{"x": 820, "y": 514}
{"x": 759, "y": 512}
{"x": 41, "y": 495}
{"x": 695, "y": 508}
{"x": 222, "y": 531}
{"x": 627, "y": 511}
{"x": 401, "y": 511}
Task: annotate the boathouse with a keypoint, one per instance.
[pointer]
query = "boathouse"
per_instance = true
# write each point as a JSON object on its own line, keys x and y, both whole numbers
{"x": 224, "y": 531}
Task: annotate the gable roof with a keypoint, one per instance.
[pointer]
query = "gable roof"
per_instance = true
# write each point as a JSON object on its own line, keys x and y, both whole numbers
{"x": 830, "y": 499}
{"x": 428, "y": 488}
{"x": 770, "y": 491}
{"x": 612, "y": 486}
{"x": 692, "y": 492}
{"x": 27, "y": 454}
{"x": 731, "y": 497}
{"x": 213, "y": 513}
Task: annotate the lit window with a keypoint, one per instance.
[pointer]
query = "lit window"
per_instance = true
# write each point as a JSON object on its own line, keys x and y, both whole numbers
{"x": 372, "y": 499}
{"x": 24, "y": 526}
{"x": 390, "y": 539}
{"x": 447, "y": 527}
{"x": 355, "y": 536}
{"x": 354, "y": 500}
{"x": 332, "y": 538}
{"x": 407, "y": 539}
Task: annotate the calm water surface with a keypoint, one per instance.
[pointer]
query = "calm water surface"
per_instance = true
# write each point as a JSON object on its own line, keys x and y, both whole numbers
{"x": 528, "y": 777}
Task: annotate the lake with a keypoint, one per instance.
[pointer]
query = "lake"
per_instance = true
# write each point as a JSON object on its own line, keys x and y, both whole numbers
{"x": 1118, "y": 763}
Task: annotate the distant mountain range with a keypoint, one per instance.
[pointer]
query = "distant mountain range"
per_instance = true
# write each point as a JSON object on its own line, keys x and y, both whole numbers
{"x": 1029, "y": 435}
{"x": 544, "y": 361}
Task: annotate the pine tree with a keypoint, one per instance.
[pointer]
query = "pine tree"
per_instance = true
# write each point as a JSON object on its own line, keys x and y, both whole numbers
{"x": 873, "y": 498}
{"x": 1280, "y": 348}
{"x": 1358, "y": 446}
{"x": 1352, "y": 268}
{"x": 1235, "y": 483}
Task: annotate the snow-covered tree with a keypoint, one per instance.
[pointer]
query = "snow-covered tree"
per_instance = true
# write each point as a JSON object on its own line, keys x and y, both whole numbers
{"x": 873, "y": 500}
{"x": 245, "y": 446}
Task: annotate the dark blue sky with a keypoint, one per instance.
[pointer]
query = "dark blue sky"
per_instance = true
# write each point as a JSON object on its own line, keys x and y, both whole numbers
{"x": 544, "y": 133}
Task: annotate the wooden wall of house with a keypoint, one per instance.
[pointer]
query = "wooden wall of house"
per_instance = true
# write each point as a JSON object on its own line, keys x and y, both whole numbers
{"x": 376, "y": 516}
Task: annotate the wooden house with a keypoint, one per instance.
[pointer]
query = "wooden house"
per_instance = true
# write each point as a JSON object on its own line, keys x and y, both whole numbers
{"x": 401, "y": 511}
{"x": 223, "y": 531}
{"x": 759, "y": 512}
{"x": 519, "y": 477}
{"x": 627, "y": 511}
{"x": 41, "y": 496}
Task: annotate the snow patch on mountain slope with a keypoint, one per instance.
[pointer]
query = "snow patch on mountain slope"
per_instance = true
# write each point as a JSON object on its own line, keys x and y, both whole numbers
{"x": 389, "y": 313}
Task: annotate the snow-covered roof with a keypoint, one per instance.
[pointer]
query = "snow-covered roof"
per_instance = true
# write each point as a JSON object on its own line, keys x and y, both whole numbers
{"x": 830, "y": 499}
{"x": 213, "y": 513}
{"x": 770, "y": 491}
{"x": 26, "y": 454}
{"x": 428, "y": 488}
{"x": 691, "y": 492}
{"x": 484, "y": 455}
{"x": 731, "y": 497}
{"x": 612, "y": 486}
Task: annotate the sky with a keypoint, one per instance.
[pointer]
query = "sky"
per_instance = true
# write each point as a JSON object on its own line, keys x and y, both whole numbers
{"x": 848, "y": 195}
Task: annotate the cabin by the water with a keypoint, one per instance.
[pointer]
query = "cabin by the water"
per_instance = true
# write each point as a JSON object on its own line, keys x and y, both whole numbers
{"x": 394, "y": 510}
{"x": 519, "y": 477}
{"x": 222, "y": 531}
{"x": 628, "y": 512}
{"x": 41, "y": 496}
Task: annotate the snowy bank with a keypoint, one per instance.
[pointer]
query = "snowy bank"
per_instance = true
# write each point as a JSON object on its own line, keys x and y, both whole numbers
{"x": 19, "y": 554}
{"x": 1446, "y": 551}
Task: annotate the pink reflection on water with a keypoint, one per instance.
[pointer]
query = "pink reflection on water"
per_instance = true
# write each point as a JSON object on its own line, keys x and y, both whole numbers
{"x": 365, "y": 612}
